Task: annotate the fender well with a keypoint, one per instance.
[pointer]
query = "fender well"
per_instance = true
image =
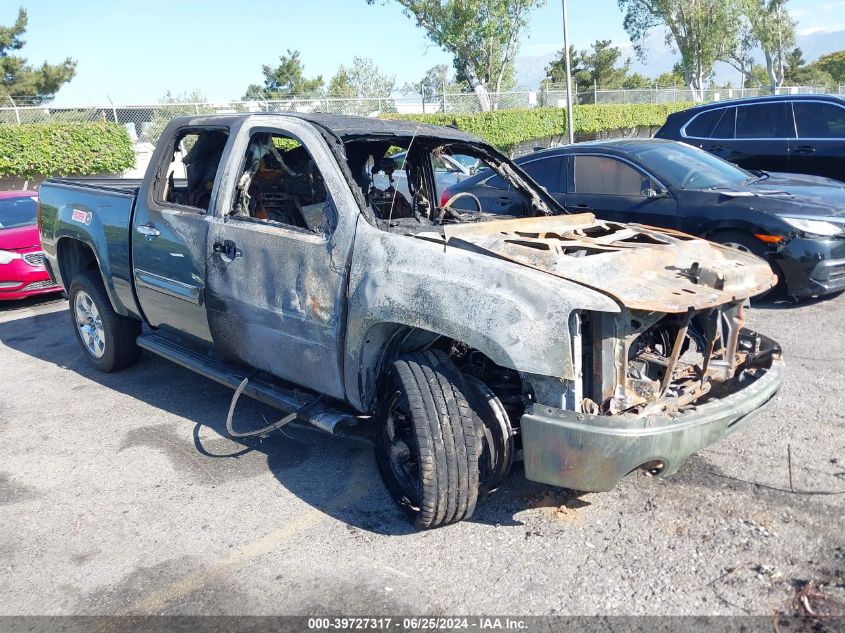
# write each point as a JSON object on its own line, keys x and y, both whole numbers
{"x": 75, "y": 256}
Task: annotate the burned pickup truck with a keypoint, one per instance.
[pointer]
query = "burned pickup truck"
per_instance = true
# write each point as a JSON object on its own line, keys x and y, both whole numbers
{"x": 260, "y": 251}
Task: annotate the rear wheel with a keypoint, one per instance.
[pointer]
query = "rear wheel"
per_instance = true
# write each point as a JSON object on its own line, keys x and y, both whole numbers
{"x": 746, "y": 243}
{"x": 429, "y": 441}
{"x": 107, "y": 338}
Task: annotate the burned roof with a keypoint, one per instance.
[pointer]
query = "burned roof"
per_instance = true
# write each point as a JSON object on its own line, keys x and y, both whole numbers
{"x": 347, "y": 126}
{"x": 350, "y": 127}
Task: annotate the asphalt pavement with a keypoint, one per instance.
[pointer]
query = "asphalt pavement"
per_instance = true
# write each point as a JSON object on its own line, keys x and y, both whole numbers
{"x": 120, "y": 493}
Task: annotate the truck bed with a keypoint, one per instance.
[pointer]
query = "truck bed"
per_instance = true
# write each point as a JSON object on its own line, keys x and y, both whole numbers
{"x": 96, "y": 212}
{"x": 121, "y": 185}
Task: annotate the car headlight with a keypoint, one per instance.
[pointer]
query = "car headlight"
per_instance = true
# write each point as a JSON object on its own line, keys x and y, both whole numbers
{"x": 815, "y": 227}
{"x": 7, "y": 257}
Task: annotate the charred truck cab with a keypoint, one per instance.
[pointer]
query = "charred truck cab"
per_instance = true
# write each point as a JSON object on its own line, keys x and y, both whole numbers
{"x": 318, "y": 264}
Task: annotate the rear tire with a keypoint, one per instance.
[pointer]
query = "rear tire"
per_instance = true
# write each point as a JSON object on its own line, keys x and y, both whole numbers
{"x": 749, "y": 244}
{"x": 106, "y": 337}
{"x": 429, "y": 440}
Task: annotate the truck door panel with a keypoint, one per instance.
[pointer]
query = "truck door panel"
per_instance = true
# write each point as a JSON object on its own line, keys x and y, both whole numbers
{"x": 170, "y": 231}
{"x": 277, "y": 259}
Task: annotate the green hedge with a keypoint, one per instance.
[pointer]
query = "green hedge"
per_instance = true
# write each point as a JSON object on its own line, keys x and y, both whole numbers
{"x": 64, "y": 149}
{"x": 507, "y": 128}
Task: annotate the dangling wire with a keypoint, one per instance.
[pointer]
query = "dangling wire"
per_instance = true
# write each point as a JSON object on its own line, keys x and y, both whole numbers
{"x": 290, "y": 417}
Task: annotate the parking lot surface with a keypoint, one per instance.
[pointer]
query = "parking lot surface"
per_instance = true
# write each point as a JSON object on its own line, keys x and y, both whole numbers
{"x": 120, "y": 493}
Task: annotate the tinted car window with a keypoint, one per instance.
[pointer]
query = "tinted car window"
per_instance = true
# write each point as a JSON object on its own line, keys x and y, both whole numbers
{"x": 546, "y": 172}
{"x": 702, "y": 124}
{"x": 763, "y": 120}
{"x": 819, "y": 120}
{"x": 680, "y": 165}
{"x": 15, "y": 212}
{"x": 604, "y": 175}
{"x": 497, "y": 182}
{"x": 726, "y": 124}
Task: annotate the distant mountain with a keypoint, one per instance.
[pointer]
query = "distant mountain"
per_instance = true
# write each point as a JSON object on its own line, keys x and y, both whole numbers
{"x": 531, "y": 70}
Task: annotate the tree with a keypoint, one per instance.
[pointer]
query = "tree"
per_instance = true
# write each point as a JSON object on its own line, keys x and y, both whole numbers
{"x": 767, "y": 25}
{"x": 21, "y": 81}
{"x": 794, "y": 60}
{"x": 596, "y": 67}
{"x": 637, "y": 81}
{"x": 434, "y": 83}
{"x": 701, "y": 30}
{"x": 482, "y": 35}
{"x": 671, "y": 79}
{"x": 799, "y": 73}
{"x": 285, "y": 80}
{"x": 832, "y": 64}
{"x": 362, "y": 81}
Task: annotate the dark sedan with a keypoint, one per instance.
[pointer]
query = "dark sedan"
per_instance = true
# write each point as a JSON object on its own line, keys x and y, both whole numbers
{"x": 796, "y": 222}
{"x": 800, "y": 134}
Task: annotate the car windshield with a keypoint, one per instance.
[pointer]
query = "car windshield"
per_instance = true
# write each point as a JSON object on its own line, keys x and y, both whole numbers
{"x": 17, "y": 212}
{"x": 687, "y": 167}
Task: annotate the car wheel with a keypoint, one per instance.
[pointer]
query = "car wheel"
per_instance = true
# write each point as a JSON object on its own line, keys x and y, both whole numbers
{"x": 746, "y": 243}
{"x": 107, "y": 338}
{"x": 429, "y": 440}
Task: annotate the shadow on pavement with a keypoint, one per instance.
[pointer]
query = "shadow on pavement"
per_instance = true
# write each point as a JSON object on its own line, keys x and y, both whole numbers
{"x": 334, "y": 475}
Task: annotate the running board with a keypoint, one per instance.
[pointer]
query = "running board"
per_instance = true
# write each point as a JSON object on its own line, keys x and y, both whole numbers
{"x": 319, "y": 415}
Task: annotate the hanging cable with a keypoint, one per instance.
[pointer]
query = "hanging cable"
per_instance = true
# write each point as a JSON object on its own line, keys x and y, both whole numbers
{"x": 290, "y": 417}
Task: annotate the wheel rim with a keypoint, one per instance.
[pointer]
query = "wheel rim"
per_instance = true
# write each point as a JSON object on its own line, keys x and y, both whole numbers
{"x": 90, "y": 324}
{"x": 401, "y": 454}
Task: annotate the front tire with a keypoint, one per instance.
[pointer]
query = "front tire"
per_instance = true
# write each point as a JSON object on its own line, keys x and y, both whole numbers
{"x": 106, "y": 337}
{"x": 429, "y": 440}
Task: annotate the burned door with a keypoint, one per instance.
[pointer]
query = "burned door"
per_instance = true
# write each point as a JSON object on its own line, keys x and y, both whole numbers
{"x": 277, "y": 257}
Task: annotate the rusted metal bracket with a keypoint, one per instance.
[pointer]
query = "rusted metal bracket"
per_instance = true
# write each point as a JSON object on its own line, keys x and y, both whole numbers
{"x": 676, "y": 353}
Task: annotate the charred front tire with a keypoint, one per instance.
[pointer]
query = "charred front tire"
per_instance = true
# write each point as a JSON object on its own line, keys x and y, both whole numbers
{"x": 107, "y": 338}
{"x": 429, "y": 440}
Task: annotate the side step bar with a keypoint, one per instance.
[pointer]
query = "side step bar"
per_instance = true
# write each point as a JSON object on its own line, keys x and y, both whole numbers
{"x": 321, "y": 416}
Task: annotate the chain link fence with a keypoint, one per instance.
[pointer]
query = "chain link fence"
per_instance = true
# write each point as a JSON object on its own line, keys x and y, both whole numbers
{"x": 146, "y": 122}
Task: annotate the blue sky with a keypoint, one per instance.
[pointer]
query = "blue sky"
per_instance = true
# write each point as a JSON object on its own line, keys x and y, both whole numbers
{"x": 135, "y": 51}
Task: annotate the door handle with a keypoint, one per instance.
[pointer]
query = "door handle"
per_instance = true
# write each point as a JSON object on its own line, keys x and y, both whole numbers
{"x": 148, "y": 230}
{"x": 716, "y": 148}
{"x": 226, "y": 248}
{"x": 584, "y": 207}
{"x": 805, "y": 149}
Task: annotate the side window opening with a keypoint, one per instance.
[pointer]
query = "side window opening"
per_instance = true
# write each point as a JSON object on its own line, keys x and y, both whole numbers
{"x": 760, "y": 121}
{"x": 703, "y": 123}
{"x": 281, "y": 183}
{"x": 194, "y": 163}
{"x": 546, "y": 172}
{"x": 819, "y": 120}
{"x": 726, "y": 126}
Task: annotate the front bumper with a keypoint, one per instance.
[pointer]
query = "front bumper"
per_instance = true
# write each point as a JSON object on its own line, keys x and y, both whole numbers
{"x": 812, "y": 267}
{"x": 20, "y": 279}
{"x": 592, "y": 453}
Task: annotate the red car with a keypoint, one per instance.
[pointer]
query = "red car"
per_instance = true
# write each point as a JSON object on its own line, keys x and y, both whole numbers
{"x": 22, "y": 272}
